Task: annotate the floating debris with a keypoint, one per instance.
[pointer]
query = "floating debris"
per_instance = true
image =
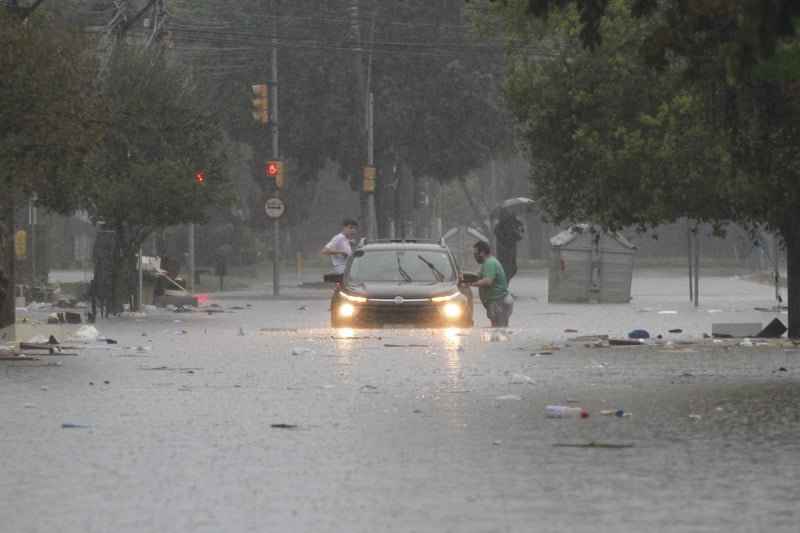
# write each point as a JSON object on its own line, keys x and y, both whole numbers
{"x": 520, "y": 379}
{"x": 593, "y": 444}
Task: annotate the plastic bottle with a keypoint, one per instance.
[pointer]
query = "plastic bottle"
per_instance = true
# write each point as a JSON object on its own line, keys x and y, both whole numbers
{"x": 563, "y": 411}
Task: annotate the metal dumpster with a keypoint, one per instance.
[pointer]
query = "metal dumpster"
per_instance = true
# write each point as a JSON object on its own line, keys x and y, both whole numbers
{"x": 590, "y": 265}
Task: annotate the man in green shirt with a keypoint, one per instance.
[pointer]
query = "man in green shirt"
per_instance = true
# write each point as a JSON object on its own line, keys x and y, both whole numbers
{"x": 493, "y": 286}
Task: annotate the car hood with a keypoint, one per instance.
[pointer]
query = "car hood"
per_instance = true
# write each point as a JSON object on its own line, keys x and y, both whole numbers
{"x": 392, "y": 289}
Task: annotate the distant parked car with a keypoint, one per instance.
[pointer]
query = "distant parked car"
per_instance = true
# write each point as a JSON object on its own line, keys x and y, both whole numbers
{"x": 401, "y": 282}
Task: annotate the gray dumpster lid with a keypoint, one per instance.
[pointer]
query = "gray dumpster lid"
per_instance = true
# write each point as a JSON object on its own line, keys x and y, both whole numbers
{"x": 573, "y": 232}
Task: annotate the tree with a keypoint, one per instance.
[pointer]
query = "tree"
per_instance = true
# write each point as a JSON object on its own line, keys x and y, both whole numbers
{"x": 735, "y": 65}
{"x": 611, "y": 140}
{"x": 161, "y": 133}
{"x": 48, "y": 114}
{"x": 22, "y": 12}
{"x": 762, "y": 26}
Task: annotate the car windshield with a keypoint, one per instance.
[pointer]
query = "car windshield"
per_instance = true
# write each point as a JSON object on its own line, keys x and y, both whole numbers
{"x": 401, "y": 265}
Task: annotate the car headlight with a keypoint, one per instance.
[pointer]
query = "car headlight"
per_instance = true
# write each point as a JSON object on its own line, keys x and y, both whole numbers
{"x": 445, "y": 298}
{"x": 353, "y": 298}
{"x": 452, "y": 310}
{"x": 347, "y": 310}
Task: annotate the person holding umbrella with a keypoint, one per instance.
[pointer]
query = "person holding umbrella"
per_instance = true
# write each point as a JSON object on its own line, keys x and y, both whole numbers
{"x": 509, "y": 230}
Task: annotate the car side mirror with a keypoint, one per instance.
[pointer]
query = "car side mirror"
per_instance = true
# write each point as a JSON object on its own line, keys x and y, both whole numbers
{"x": 332, "y": 278}
{"x": 469, "y": 277}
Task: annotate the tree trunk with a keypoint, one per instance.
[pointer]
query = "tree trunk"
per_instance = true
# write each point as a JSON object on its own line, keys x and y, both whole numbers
{"x": 122, "y": 276}
{"x": 476, "y": 210}
{"x": 7, "y": 293}
{"x": 791, "y": 238}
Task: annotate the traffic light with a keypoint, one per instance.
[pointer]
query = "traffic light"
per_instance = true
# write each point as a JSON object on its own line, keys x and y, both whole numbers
{"x": 200, "y": 177}
{"x": 369, "y": 178}
{"x": 261, "y": 112}
{"x": 275, "y": 173}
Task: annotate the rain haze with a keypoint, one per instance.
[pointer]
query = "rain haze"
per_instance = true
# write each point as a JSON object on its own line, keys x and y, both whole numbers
{"x": 186, "y": 184}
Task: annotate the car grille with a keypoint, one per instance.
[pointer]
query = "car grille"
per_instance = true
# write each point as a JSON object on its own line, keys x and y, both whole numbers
{"x": 383, "y": 313}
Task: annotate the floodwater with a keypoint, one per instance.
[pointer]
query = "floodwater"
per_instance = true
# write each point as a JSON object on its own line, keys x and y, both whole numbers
{"x": 261, "y": 418}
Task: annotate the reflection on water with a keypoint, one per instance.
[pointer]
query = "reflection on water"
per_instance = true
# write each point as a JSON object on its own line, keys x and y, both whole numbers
{"x": 452, "y": 346}
{"x": 451, "y": 342}
{"x": 345, "y": 338}
{"x": 453, "y": 390}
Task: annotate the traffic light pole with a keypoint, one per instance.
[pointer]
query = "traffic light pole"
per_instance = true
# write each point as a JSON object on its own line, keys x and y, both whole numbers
{"x": 372, "y": 229}
{"x": 190, "y": 280}
{"x": 276, "y": 233}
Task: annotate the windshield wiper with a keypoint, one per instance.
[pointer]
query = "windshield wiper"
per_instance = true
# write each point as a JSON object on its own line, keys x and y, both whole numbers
{"x": 439, "y": 275}
{"x": 400, "y": 269}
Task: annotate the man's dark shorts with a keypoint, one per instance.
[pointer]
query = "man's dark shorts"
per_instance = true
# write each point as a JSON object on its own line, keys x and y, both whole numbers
{"x": 499, "y": 311}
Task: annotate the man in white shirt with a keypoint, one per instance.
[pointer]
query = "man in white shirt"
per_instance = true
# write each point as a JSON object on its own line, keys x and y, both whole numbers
{"x": 341, "y": 245}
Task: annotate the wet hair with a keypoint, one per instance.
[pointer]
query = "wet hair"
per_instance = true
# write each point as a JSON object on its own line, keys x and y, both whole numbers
{"x": 483, "y": 247}
{"x": 349, "y": 222}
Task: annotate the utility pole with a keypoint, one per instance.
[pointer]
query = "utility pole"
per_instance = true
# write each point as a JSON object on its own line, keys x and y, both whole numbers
{"x": 113, "y": 30}
{"x": 190, "y": 258}
{"x": 122, "y": 20}
{"x": 369, "y": 181}
{"x": 697, "y": 267}
{"x": 32, "y": 224}
{"x": 276, "y": 233}
{"x": 689, "y": 254}
{"x": 156, "y": 25}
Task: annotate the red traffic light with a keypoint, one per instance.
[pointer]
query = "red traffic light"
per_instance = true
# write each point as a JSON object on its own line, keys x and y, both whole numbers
{"x": 200, "y": 177}
{"x": 272, "y": 168}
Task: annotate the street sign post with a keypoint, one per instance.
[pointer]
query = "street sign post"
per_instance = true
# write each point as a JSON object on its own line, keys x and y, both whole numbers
{"x": 273, "y": 207}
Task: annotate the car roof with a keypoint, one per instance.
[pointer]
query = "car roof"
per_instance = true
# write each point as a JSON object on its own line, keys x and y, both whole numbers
{"x": 398, "y": 244}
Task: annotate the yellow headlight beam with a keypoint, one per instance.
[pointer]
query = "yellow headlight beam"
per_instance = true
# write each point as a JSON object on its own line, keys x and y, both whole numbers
{"x": 447, "y": 298}
{"x": 353, "y": 298}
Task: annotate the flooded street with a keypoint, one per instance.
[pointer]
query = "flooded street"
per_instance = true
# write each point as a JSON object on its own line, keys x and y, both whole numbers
{"x": 262, "y": 418}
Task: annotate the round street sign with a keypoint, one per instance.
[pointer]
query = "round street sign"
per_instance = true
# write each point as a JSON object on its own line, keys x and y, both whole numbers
{"x": 273, "y": 207}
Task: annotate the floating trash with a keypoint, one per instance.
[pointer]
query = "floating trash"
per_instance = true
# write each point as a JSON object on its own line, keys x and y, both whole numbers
{"x": 87, "y": 332}
{"x": 611, "y": 412}
{"x": 508, "y": 397}
{"x": 563, "y": 411}
{"x": 639, "y": 334}
{"x": 521, "y": 379}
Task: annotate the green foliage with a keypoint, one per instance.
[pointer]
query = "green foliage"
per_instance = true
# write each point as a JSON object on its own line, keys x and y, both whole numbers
{"x": 237, "y": 244}
{"x": 609, "y": 139}
{"x": 47, "y": 118}
{"x": 160, "y": 133}
{"x": 721, "y": 125}
{"x": 46, "y": 107}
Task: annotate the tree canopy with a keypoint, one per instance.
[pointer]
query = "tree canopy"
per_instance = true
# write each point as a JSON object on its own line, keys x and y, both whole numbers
{"x": 161, "y": 134}
{"x": 673, "y": 115}
{"x": 49, "y": 121}
{"x": 48, "y": 113}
